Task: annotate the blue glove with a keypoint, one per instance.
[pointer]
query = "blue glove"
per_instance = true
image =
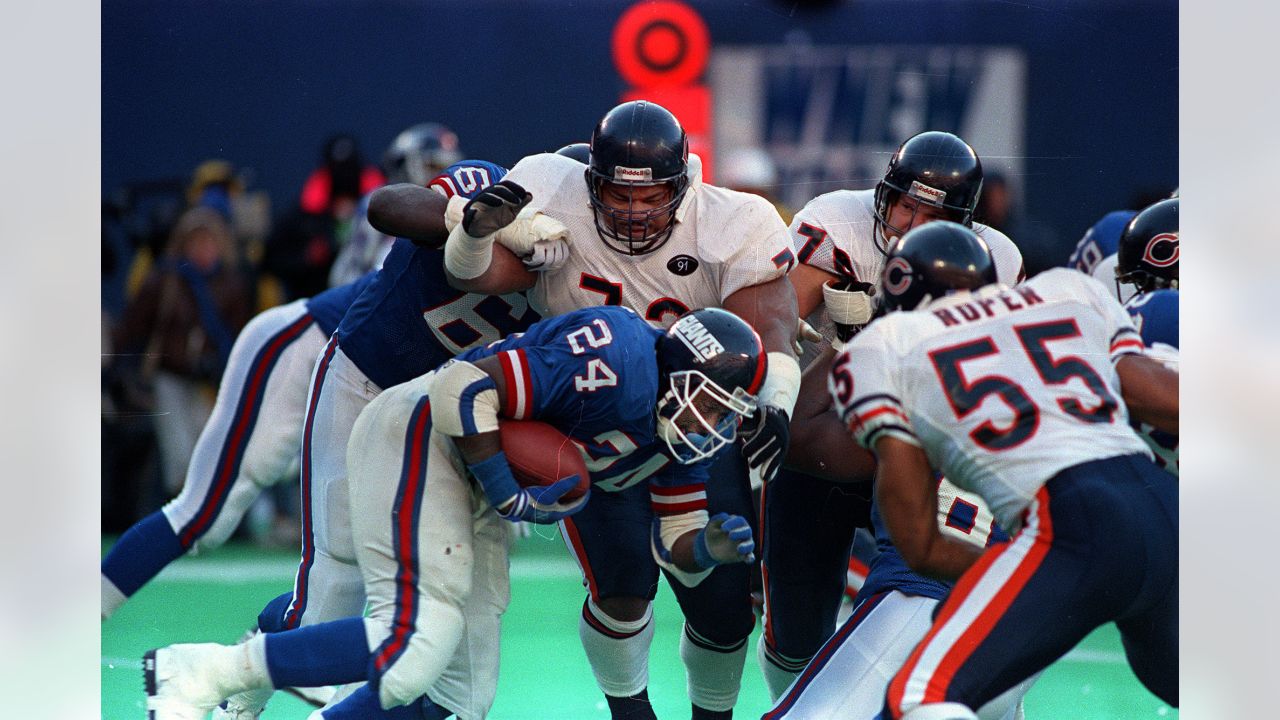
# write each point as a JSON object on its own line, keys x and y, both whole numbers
{"x": 536, "y": 505}
{"x": 766, "y": 435}
{"x": 725, "y": 539}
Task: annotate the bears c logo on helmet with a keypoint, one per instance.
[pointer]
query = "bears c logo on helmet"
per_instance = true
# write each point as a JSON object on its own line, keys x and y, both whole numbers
{"x": 897, "y": 276}
{"x": 1162, "y": 250}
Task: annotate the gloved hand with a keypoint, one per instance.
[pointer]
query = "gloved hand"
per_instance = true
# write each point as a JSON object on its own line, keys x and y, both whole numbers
{"x": 725, "y": 539}
{"x": 541, "y": 505}
{"x": 536, "y": 505}
{"x": 766, "y": 435}
{"x": 547, "y": 255}
{"x": 530, "y": 229}
{"x": 493, "y": 208}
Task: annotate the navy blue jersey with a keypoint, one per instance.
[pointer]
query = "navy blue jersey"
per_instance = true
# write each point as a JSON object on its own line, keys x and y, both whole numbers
{"x": 593, "y": 374}
{"x": 1100, "y": 241}
{"x": 409, "y": 320}
{"x": 328, "y": 307}
{"x": 1155, "y": 314}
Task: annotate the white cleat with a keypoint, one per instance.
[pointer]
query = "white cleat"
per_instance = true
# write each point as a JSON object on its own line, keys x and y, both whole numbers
{"x": 178, "y": 682}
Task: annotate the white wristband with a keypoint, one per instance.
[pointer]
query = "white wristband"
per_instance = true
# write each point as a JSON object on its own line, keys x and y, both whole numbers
{"x": 466, "y": 257}
{"x": 781, "y": 383}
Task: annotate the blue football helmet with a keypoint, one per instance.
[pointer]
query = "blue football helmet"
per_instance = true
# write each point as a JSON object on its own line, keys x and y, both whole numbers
{"x": 711, "y": 364}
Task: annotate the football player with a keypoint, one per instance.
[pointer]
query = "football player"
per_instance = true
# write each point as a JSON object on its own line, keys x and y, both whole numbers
{"x": 644, "y": 231}
{"x": 1095, "y": 253}
{"x": 406, "y": 322}
{"x": 420, "y": 155}
{"x": 1000, "y": 389}
{"x": 432, "y": 544}
{"x": 812, "y": 511}
{"x": 249, "y": 443}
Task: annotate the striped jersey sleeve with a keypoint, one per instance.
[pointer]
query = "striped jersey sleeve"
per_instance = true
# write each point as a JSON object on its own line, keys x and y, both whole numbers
{"x": 678, "y": 489}
{"x": 863, "y": 385}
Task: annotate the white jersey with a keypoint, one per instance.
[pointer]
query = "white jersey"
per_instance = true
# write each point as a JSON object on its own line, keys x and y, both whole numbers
{"x": 834, "y": 232}
{"x": 723, "y": 241}
{"x": 1002, "y": 387}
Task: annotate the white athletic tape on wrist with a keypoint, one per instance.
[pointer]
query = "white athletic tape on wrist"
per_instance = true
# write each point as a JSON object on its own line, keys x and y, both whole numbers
{"x": 847, "y": 307}
{"x": 466, "y": 257}
{"x": 453, "y": 211}
{"x": 781, "y": 382}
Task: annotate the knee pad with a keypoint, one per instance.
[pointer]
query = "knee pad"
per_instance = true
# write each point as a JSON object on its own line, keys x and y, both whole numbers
{"x": 940, "y": 711}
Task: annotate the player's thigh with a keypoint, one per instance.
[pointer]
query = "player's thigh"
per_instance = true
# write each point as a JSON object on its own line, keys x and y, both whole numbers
{"x": 1151, "y": 646}
{"x": 470, "y": 680}
{"x": 609, "y": 538}
{"x": 809, "y": 527}
{"x": 850, "y": 672}
{"x": 339, "y": 392}
{"x": 1023, "y": 605}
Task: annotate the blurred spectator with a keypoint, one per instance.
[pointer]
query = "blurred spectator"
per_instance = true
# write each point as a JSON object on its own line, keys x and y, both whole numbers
{"x": 301, "y": 248}
{"x": 179, "y": 328}
{"x": 752, "y": 170}
{"x": 998, "y": 208}
{"x": 416, "y": 155}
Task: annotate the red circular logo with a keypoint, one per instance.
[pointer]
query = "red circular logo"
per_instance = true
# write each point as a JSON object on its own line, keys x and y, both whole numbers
{"x": 897, "y": 276}
{"x": 1162, "y": 250}
{"x": 660, "y": 43}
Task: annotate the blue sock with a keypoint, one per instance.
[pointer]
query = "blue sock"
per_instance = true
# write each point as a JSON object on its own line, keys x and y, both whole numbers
{"x": 363, "y": 705}
{"x": 141, "y": 553}
{"x": 432, "y": 711}
{"x": 332, "y": 653}
{"x": 271, "y": 619}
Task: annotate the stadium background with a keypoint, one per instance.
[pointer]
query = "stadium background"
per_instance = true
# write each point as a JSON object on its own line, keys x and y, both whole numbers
{"x": 261, "y": 85}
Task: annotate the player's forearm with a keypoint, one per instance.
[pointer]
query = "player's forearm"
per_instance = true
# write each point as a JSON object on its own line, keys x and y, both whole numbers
{"x": 1150, "y": 390}
{"x": 770, "y": 308}
{"x": 409, "y": 211}
{"x": 940, "y": 557}
{"x": 682, "y": 555}
{"x": 821, "y": 446}
{"x": 504, "y": 274}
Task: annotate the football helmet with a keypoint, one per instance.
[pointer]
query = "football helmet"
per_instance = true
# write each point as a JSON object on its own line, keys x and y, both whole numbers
{"x": 637, "y": 144}
{"x": 419, "y": 153}
{"x": 935, "y": 168}
{"x": 1147, "y": 256}
{"x": 577, "y": 151}
{"x": 931, "y": 261}
{"x": 710, "y": 366}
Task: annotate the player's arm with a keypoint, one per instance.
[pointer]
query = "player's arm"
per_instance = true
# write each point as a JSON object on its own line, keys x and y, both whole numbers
{"x": 471, "y": 262}
{"x": 770, "y": 308}
{"x": 1150, "y": 389}
{"x": 688, "y": 544}
{"x": 808, "y": 281}
{"x": 465, "y": 405}
{"x": 820, "y": 443}
{"x": 907, "y": 495}
{"x": 410, "y": 211}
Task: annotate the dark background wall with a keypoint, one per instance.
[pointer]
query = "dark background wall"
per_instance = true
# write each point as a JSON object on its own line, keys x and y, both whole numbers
{"x": 262, "y": 83}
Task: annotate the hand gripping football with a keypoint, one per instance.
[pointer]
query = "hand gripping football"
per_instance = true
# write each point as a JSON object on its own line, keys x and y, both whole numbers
{"x": 539, "y": 454}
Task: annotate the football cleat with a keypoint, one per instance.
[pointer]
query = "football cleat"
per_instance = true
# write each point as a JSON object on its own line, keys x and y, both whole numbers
{"x": 179, "y": 683}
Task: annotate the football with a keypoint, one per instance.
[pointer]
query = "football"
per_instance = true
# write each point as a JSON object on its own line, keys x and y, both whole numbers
{"x": 539, "y": 454}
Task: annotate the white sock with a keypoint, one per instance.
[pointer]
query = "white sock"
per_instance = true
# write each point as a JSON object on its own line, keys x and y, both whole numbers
{"x": 714, "y": 671}
{"x": 245, "y": 665}
{"x": 618, "y": 650}
{"x": 112, "y": 598}
{"x": 778, "y": 672}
